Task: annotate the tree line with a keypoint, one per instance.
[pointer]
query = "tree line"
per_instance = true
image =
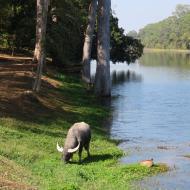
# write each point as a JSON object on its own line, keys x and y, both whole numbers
{"x": 68, "y": 32}
{"x": 170, "y": 33}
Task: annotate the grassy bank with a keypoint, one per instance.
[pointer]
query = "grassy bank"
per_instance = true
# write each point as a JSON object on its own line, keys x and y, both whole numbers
{"x": 30, "y": 126}
{"x": 149, "y": 50}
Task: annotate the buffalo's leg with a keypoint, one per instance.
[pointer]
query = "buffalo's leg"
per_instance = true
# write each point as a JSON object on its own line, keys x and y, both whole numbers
{"x": 80, "y": 152}
{"x": 71, "y": 158}
{"x": 87, "y": 149}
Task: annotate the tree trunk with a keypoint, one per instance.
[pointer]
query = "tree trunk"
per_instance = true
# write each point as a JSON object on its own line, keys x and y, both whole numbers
{"x": 88, "y": 41}
{"x": 102, "y": 78}
{"x": 39, "y": 53}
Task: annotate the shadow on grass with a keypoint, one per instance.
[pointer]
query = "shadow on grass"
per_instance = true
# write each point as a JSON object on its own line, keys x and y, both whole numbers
{"x": 57, "y": 107}
{"x": 93, "y": 158}
{"x": 97, "y": 158}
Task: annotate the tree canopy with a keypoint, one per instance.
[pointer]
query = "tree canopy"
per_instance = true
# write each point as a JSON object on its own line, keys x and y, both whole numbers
{"x": 66, "y": 26}
{"x": 124, "y": 48}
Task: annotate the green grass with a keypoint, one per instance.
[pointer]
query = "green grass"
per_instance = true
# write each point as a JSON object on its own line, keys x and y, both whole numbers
{"x": 28, "y": 144}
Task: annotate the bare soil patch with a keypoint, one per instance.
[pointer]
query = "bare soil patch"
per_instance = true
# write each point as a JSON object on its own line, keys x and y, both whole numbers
{"x": 17, "y": 77}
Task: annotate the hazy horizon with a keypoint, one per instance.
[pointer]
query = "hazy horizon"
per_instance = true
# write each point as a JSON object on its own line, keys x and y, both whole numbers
{"x": 135, "y": 14}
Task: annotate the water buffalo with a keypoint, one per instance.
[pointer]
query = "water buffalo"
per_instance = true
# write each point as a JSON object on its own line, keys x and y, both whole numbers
{"x": 78, "y": 136}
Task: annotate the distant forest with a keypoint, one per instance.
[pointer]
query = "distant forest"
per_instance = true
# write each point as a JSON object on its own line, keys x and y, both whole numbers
{"x": 170, "y": 33}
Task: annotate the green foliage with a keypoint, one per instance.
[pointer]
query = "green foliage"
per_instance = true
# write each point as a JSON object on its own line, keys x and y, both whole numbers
{"x": 66, "y": 24}
{"x": 172, "y": 33}
{"x": 17, "y": 24}
{"x": 65, "y": 36}
{"x": 123, "y": 47}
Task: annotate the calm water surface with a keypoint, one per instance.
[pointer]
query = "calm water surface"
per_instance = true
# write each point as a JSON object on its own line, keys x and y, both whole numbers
{"x": 151, "y": 115}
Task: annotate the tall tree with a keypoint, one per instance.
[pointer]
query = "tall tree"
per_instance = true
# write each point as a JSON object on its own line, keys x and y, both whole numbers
{"x": 88, "y": 41}
{"x": 102, "y": 78}
{"x": 39, "y": 53}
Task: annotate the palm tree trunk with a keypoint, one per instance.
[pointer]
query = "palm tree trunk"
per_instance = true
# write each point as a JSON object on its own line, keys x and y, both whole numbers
{"x": 102, "y": 78}
{"x": 88, "y": 41}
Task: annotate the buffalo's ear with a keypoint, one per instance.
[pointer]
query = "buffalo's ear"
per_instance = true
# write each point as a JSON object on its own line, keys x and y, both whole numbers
{"x": 73, "y": 150}
{"x": 60, "y": 149}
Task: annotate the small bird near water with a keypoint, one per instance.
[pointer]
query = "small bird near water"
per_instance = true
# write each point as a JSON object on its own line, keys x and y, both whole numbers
{"x": 147, "y": 163}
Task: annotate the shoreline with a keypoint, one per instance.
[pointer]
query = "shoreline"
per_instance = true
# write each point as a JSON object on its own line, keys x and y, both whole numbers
{"x": 152, "y": 50}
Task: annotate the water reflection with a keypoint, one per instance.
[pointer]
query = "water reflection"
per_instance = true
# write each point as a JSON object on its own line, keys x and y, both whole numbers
{"x": 119, "y": 77}
{"x": 171, "y": 59}
{"x": 120, "y": 73}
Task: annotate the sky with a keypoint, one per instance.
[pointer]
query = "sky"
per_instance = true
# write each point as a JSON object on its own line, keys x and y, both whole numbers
{"x": 135, "y": 14}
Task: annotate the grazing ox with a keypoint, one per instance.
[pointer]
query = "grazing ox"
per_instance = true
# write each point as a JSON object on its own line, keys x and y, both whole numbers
{"x": 78, "y": 136}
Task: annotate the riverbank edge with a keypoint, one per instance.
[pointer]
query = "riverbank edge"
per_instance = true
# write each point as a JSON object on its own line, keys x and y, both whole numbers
{"x": 151, "y": 50}
{"x": 41, "y": 166}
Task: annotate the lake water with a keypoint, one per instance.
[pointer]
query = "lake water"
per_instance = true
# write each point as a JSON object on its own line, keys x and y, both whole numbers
{"x": 151, "y": 115}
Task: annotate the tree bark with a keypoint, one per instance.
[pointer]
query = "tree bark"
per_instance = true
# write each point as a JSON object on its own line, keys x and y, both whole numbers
{"x": 39, "y": 53}
{"x": 102, "y": 78}
{"x": 88, "y": 41}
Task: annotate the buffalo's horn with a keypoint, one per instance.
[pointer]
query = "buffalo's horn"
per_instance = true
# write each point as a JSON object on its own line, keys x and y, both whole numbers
{"x": 60, "y": 149}
{"x": 72, "y": 150}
